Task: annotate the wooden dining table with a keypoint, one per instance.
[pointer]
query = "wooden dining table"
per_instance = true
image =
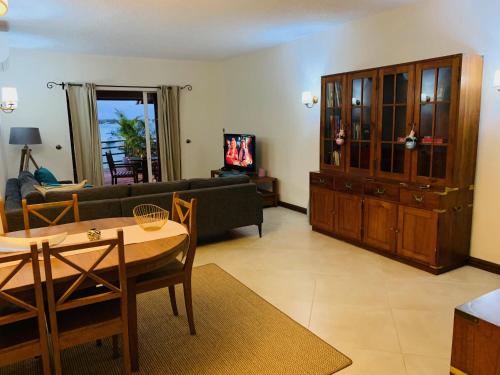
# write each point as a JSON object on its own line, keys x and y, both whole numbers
{"x": 140, "y": 258}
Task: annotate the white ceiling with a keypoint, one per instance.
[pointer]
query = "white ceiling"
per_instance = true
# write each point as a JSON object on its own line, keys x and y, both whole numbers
{"x": 180, "y": 29}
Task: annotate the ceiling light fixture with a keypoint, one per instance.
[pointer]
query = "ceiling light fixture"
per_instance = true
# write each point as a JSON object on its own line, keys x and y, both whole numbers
{"x": 4, "y": 7}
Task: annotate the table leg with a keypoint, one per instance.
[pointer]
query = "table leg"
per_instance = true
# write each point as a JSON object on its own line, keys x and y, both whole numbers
{"x": 132, "y": 324}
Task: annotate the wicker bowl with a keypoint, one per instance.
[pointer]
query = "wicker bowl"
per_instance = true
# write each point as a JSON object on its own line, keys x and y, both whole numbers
{"x": 150, "y": 216}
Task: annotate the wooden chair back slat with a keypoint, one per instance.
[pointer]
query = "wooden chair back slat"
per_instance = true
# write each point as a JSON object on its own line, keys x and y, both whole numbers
{"x": 31, "y": 308}
{"x": 184, "y": 212}
{"x": 105, "y": 290}
{"x": 22, "y": 262}
{"x": 3, "y": 218}
{"x": 34, "y": 208}
{"x": 111, "y": 162}
{"x": 63, "y": 302}
{"x": 85, "y": 274}
{"x": 28, "y": 309}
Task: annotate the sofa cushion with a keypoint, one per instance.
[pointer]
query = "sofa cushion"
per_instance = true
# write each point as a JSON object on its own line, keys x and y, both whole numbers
{"x": 99, "y": 209}
{"x": 26, "y": 186}
{"x": 44, "y": 176}
{"x": 158, "y": 187}
{"x": 26, "y": 177}
{"x": 12, "y": 194}
{"x": 201, "y": 183}
{"x": 90, "y": 194}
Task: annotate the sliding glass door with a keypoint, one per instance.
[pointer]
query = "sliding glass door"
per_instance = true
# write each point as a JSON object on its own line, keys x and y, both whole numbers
{"x": 128, "y": 123}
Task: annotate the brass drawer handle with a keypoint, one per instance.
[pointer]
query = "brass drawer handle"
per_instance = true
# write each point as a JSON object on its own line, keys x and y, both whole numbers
{"x": 322, "y": 181}
{"x": 348, "y": 186}
{"x": 418, "y": 198}
{"x": 457, "y": 208}
{"x": 379, "y": 191}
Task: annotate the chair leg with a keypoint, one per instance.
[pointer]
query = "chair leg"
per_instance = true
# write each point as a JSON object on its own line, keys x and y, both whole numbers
{"x": 116, "y": 352}
{"x": 57, "y": 362}
{"x": 44, "y": 364}
{"x": 127, "y": 362}
{"x": 173, "y": 302}
{"x": 188, "y": 301}
{"x": 130, "y": 342}
{"x": 260, "y": 230}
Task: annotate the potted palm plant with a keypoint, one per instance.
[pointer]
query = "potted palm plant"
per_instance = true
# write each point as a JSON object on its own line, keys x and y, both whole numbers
{"x": 132, "y": 131}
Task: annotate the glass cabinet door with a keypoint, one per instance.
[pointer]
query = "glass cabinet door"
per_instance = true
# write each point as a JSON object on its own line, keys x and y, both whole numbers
{"x": 360, "y": 131}
{"x": 436, "y": 87}
{"x": 395, "y": 117}
{"x": 333, "y": 122}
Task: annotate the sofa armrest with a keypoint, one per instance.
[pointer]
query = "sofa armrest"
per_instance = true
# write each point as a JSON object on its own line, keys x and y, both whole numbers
{"x": 226, "y": 207}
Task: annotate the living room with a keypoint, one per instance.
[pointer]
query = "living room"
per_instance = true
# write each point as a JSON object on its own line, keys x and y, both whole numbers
{"x": 244, "y": 68}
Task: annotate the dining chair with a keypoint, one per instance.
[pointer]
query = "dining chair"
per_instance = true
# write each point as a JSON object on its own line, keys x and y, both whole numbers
{"x": 3, "y": 218}
{"x": 178, "y": 271}
{"x": 94, "y": 306}
{"x": 34, "y": 209}
{"x": 121, "y": 170}
{"x": 23, "y": 330}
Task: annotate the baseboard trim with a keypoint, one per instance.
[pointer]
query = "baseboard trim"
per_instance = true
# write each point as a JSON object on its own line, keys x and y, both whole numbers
{"x": 293, "y": 207}
{"x": 484, "y": 265}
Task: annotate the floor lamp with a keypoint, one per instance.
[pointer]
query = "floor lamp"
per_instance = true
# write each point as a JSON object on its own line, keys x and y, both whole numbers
{"x": 25, "y": 136}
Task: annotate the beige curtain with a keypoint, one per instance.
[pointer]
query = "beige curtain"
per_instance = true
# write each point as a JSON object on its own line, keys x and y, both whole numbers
{"x": 82, "y": 105}
{"x": 169, "y": 133}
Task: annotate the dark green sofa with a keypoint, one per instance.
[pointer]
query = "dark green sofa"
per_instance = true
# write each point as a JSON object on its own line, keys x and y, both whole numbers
{"x": 223, "y": 203}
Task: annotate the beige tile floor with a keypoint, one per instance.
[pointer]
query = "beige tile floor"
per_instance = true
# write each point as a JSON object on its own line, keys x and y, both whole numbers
{"x": 388, "y": 317}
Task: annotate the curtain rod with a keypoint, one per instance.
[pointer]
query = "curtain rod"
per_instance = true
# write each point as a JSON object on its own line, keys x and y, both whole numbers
{"x": 51, "y": 85}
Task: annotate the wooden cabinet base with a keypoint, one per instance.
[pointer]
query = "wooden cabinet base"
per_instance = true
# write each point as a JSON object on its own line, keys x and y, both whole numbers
{"x": 392, "y": 255}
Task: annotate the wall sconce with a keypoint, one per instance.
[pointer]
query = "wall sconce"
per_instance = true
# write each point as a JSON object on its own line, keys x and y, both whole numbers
{"x": 496, "y": 81}
{"x": 308, "y": 99}
{"x": 9, "y": 99}
{"x": 4, "y": 7}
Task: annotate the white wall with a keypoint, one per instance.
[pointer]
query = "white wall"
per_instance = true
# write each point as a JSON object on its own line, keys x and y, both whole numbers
{"x": 29, "y": 71}
{"x": 260, "y": 92}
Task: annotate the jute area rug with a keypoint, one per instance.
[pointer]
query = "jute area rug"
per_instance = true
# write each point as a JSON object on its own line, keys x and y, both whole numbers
{"x": 238, "y": 332}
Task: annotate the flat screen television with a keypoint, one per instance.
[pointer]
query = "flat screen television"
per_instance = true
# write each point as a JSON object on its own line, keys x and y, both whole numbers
{"x": 239, "y": 152}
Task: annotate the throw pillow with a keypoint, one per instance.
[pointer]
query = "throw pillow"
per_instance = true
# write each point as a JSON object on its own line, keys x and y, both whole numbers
{"x": 44, "y": 176}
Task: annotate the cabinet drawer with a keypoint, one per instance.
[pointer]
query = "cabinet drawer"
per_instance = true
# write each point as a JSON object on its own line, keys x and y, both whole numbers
{"x": 384, "y": 191}
{"x": 420, "y": 199}
{"x": 348, "y": 185}
{"x": 321, "y": 179}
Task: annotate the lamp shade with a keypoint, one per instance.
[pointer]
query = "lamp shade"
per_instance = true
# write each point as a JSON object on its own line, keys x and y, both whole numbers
{"x": 9, "y": 96}
{"x": 4, "y": 7}
{"x": 25, "y": 136}
{"x": 496, "y": 81}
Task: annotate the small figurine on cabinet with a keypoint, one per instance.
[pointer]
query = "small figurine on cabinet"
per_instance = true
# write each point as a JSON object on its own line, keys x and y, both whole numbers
{"x": 340, "y": 137}
{"x": 336, "y": 158}
{"x": 411, "y": 140}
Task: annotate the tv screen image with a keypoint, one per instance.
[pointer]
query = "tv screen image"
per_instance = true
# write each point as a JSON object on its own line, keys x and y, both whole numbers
{"x": 239, "y": 152}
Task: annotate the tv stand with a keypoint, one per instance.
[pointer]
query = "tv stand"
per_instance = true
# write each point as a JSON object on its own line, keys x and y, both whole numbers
{"x": 267, "y": 186}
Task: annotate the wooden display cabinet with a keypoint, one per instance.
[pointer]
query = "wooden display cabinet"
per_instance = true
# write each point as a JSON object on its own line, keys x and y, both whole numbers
{"x": 414, "y": 205}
